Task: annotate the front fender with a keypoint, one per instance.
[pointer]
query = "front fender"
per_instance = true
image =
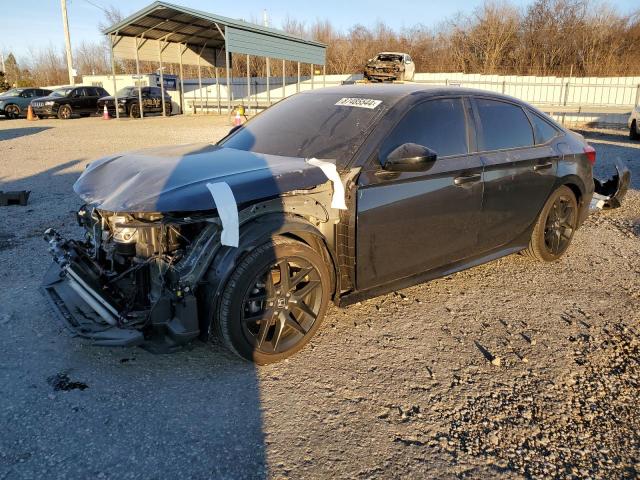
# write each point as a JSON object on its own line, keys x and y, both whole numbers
{"x": 252, "y": 234}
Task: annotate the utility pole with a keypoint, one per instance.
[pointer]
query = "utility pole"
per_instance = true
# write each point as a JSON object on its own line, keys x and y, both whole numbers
{"x": 67, "y": 41}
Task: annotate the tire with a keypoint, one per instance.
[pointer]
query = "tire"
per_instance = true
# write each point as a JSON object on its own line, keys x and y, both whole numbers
{"x": 65, "y": 112}
{"x": 634, "y": 131}
{"x": 134, "y": 110}
{"x": 167, "y": 109}
{"x": 555, "y": 226}
{"x": 259, "y": 317}
{"x": 12, "y": 111}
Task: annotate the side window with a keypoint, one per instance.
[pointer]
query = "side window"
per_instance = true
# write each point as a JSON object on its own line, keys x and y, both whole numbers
{"x": 437, "y": 124}
{"x": 504, "y": 125}
{"x": 544, "y": 130}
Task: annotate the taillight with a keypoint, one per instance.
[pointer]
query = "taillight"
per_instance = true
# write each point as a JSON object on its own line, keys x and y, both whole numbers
{"x": 591, "y": 154}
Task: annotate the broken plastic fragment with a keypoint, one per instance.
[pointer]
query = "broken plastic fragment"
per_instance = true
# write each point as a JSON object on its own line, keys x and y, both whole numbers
{"x": 610, "y": 193}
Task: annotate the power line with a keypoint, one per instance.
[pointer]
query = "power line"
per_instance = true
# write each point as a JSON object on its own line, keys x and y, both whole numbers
{"x": 97, "y": 6}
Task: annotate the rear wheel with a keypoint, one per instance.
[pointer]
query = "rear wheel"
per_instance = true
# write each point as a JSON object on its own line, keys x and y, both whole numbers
{"x": 12, "y": 111}
{"x": 274, "y": 301}
{"x": 167, "y": 109}
{"x": 634, "y": 131}
{"x": 555, "y": 226}
{"x": 65, "y": 112}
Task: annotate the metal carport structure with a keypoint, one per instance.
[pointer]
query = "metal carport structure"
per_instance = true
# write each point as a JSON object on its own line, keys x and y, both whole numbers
{"x": 175, "y": 34}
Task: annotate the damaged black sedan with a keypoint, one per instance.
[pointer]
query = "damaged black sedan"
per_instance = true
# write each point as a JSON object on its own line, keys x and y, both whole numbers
{"x": 332, "y": 195}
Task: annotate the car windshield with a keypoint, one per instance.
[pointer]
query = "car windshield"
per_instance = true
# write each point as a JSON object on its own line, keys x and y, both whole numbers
{"x": 127, "y": 92}
{"x": 11, "y": 93}
{"x": 321, "y": 125}
{"x": 61, "y": 92}
{"x": 389, "y": 57}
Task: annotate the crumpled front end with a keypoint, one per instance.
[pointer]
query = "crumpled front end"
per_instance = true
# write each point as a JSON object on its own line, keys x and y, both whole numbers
{"x": 383, "y": 71}
{"x": 132, "y": 280}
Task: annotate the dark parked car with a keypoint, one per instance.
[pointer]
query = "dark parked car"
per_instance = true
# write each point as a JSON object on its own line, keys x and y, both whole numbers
{"x": 338, "y": 194}
{"x": 68, "y": 101}
{"x": 15, "y": 102}
{"x": 129, "y": 102}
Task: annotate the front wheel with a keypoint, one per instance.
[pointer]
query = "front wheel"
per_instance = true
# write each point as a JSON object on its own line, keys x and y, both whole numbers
{"x": 554, "y": 229}
{"x": 167, "y": 109}
{"x": 12, "y": 111}
{"x": 64, "y": 112}
{"x": 274, "y": 301}
{"x": 134, "y": 110}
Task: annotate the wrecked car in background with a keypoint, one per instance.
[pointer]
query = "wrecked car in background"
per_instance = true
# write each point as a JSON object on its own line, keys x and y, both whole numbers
{"x": 389, "y": 66}
{"x": 634, "y": 123}
{"x": 339, "y": 194}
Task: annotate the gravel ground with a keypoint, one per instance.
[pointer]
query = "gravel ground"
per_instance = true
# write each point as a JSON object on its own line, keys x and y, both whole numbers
{"x": 511, "y": 369}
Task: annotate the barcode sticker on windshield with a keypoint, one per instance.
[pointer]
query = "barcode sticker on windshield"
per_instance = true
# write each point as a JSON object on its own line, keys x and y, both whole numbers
{"x": 359, "y": 102}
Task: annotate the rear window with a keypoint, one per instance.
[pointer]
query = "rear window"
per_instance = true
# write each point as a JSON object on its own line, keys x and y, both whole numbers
{"x": 504, "y": 125}
{"x": 543, "y": 129}
{"x": 310, "y": 125}
{"x": 437, "y": 124}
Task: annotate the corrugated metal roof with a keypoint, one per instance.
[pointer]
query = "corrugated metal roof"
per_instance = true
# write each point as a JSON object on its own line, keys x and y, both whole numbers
{"x": 177, "y": 24}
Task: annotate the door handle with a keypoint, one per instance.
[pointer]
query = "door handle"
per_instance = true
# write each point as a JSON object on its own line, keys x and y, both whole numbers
{"x": 542, "y": 166}
{"x": 463, "y": 180}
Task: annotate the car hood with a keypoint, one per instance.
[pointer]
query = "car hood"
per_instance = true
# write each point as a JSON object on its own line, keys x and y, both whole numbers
{"x": 7, "y": 97}
{"x": 172, "y": 179}
{"x": 50, "y": 97}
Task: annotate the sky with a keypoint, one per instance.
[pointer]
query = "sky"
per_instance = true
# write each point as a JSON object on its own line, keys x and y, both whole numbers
{"x": 32, "y": 24}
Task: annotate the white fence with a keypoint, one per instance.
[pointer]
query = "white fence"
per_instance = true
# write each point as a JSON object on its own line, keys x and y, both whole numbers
{"x": 550, "y": 91}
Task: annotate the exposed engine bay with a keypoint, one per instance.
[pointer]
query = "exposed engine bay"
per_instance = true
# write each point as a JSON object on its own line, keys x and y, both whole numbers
{"x": 133, "y": 271}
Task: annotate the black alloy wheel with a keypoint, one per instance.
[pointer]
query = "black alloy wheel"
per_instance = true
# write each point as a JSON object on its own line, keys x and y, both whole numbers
{"x": 560, "y": 225}
{"x": 12, "y": 111}
{"x": 282, "y": 305}
{"x": 167, "y": 109}
{"x": 274, "y": 301}
{"x": 555, "y": 227}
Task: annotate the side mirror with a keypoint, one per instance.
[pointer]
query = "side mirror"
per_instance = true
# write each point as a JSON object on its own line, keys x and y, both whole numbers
{"x": 409, "y": 157}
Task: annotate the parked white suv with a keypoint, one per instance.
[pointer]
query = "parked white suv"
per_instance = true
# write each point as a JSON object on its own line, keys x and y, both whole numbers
{"x": 634, "y": 124}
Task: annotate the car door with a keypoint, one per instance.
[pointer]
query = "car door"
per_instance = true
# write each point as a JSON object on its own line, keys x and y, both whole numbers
{"x": 91, "y": 99}
{"x": 25, "y": 98}
{"x": 76, "y": 100}
{"x": 518, "y": 173}
{"x": 411, "y": 222}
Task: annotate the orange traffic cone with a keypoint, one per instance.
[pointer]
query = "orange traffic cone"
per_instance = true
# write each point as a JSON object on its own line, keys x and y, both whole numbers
{"x": 30, "y": 116}
{"x": 105, "y": 113}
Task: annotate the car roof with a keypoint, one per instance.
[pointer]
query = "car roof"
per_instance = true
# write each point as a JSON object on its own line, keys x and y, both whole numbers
{"x": 391, "y": 53}
{"x": 393, "y": 92}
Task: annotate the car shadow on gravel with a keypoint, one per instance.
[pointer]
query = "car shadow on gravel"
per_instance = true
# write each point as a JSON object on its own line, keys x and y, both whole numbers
{"x": 12, "y": 133}
{"x": 196, "y": 413}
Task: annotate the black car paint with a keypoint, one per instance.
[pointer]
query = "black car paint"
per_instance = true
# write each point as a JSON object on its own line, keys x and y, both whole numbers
{"x": 169, "y": 179}
{"x": 82, "y": 100}
{"x": 151, "y": 101}
{"x": 402, "y": 227}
